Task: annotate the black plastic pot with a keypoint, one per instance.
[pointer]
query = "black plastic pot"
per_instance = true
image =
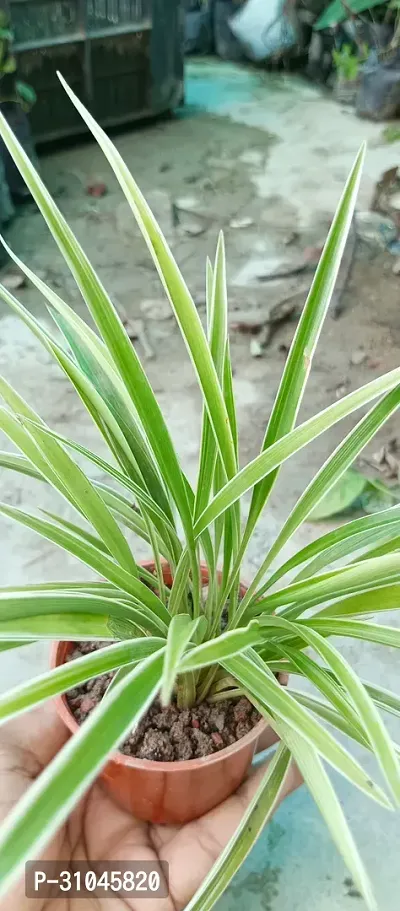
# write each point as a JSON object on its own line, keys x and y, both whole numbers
{"x": 379, "y": 93}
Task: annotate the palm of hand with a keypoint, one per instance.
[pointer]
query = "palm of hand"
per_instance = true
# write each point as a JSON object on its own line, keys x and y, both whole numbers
{"x": 98, "y": 830}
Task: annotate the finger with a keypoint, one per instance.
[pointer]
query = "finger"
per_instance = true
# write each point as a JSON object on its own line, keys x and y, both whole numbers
{"x": 40, "y": 732}
{"x": 266, "y": 740}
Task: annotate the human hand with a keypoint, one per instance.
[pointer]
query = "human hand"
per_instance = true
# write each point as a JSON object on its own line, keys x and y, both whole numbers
{"x": 99, "y": 830}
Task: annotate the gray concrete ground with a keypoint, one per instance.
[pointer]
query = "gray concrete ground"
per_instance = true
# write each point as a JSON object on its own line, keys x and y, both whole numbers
{"x": 272, "y": 153}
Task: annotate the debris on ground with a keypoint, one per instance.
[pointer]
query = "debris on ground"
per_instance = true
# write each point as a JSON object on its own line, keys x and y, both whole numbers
{"x": 13, "y": 280}
{"x": 376, "y": 229}
{"x": 247, "y": 321}
{"x": 259, "y": 342}
{"x": 352, "y": 891}
{"x": 387, "y": 460}
{"x": 358, "y": 357}
{"x": 97, "y": 189}
{"x": 187, "y": 203}
{"x": 386, "y": 198}
{"x": 193, "y": 227}
{"x": 396, "y": 267}
{"x": 291, "y": 238}
{"x": 156, "y": 309}
{"x": 382, "y": 189}
{"x": 305, "y": 262}
{"x": 256, "y": 348}
{"x": 136, "y": 331}
{"x": 244, "y": 222}
{"x": 262, "y": 326}
{"x": 185, "y": 217}
{"x": 341, "y": 389}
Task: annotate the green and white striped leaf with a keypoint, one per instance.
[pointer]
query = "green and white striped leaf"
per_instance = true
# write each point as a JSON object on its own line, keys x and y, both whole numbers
{"x": 218, "y": 331}
{"x": 119, "y": 346}
{"x": 93, "y": 558}
{"x": 265, "y": 688}
{"x": 63, "y": 627}
{"x": 326, "y": 684}
{"x": 147, "y": 504}
{"x": 175, "y": 287}
{"x": 50, "y": 799}
{"x": 381, "y": 598}
{"x": 383, "y": 698}
{"x": 356, "y": 629}
{"x": 280, "y": 451}
{"x": 23, "y": 697}
{"x": 388, "y": 546}
{"x": 180, "y": 631}
{"x": 328, "y": 804}
{"x": 6, "y": 646}
{"x": 226, "y": 645}
{"x": 341, "y": 542}
{"x": 298, "y": 364}
{"x": 34, "y": 604}
{"x": 109, "y": 386}
{"x": 327, "y": 477}
{"x": 371, "y": 720}
{"x": 84, "y": 495}
{"x": 253, "y": 821}
{"x": 19, "y": 463}
{"x": 96, "y": 406}
{"x": 357, "y": 577}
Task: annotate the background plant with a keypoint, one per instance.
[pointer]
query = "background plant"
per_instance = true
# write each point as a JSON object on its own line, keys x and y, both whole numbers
{"x": 11, "y": 88}
{"x": 347, "y": 61}
{"x": 181, "y": 639}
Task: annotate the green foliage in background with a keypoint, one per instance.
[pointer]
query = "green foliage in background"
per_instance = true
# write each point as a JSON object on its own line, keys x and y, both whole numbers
{"x": 21, "y": 92}
{"x": 347, "y": 61}
{"x": 337, "y": 11}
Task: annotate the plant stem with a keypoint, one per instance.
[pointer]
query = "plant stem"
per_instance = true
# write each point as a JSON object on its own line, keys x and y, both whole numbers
{"x": 186, "y": 691}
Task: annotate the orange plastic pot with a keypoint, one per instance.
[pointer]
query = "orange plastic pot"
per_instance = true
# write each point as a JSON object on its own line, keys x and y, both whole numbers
{"x": 169, "y": 792}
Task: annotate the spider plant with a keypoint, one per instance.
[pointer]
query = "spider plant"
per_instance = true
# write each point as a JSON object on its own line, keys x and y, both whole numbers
{"x": 181, "y": 641}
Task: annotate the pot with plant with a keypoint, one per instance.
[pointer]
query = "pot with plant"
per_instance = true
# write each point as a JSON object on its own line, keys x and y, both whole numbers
{"x": 376, "y": 25}
{"x": 180, "y": 647}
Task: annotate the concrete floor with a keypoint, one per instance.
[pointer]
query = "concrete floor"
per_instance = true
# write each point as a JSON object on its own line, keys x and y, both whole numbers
{"x": 291, "y": 149}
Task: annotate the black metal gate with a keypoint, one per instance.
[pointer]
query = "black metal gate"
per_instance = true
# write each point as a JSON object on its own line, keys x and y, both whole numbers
{"x": 123, "y": 58}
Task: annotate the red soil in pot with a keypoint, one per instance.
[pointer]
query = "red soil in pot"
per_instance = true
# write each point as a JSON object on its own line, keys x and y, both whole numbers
{"x": 166, "y": 734}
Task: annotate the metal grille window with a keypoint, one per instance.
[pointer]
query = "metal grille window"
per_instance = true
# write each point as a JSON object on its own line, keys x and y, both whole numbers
{"x": 124, "y": 58}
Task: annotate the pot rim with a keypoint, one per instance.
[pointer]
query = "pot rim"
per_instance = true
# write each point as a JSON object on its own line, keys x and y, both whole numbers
{"x": 176, "y": 766}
